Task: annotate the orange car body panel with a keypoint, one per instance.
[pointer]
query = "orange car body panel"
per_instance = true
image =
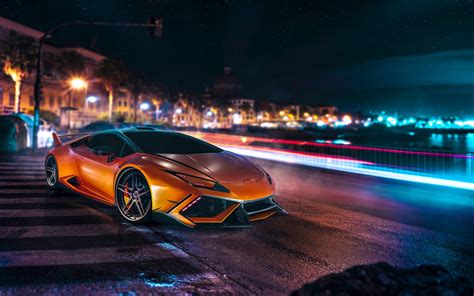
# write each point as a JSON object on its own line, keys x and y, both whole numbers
{"x": 96, "y": 177}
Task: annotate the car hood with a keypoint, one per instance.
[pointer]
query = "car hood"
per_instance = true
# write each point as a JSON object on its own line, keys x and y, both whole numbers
{"x": 225, "y": 167}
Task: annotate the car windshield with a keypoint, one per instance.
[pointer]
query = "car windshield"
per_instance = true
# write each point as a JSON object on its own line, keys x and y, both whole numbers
{"x": 170, "y": 143}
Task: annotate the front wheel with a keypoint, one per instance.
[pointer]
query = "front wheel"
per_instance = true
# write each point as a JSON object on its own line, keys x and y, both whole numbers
{"x": 51, "y": 170}
{"x": 133, "y": 196}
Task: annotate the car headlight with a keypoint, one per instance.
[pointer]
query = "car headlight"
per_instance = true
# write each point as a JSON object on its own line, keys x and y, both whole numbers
{"x": 201, "y": 182}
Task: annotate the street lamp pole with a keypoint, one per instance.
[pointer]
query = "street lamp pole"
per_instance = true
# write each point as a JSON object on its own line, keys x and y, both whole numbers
{"x": 156, "y": 24}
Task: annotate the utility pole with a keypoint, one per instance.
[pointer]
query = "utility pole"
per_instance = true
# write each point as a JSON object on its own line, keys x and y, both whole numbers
{"x": 154, "y": 24}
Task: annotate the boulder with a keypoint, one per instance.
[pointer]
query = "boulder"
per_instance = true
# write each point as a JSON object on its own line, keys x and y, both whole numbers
{"x": 384, "y": 279}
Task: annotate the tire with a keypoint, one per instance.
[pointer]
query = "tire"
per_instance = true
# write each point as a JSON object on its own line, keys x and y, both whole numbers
{"x": 133, "y": 196}
{"x": 52, "y": 172}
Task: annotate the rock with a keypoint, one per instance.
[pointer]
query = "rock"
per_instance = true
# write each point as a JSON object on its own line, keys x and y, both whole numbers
{"x": 384, "y": 279}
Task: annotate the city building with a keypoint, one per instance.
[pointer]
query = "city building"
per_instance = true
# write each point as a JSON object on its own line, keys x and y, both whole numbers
{"x": 243, "y": 111}
{"x": 74, "y": 107}
{"x": 186, "y": 113}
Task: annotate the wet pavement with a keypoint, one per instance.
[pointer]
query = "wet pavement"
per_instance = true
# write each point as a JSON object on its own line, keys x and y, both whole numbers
{"x": 65, "y": 243}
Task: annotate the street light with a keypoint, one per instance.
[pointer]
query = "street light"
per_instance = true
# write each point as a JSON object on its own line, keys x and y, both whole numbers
{"x": 92, "y": 99}
{"x": 144, "y": 106}
{"x": 157, "y": 25}
{"x": 77, "y": 83}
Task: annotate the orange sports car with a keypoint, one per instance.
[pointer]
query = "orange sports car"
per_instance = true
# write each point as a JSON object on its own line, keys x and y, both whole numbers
{"x": 143, "y": 171}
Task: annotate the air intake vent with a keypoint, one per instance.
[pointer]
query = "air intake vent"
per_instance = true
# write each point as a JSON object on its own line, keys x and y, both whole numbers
{"x": 205, "y": 206}
{"x": 73, "y": 181}
{"x": 259, "y": 205}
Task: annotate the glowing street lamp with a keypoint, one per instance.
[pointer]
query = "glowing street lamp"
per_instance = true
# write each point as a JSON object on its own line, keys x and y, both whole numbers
{"x": 77, "y": 83}
{"x": 92, "y": 99}
{"x": 144, "y": 106}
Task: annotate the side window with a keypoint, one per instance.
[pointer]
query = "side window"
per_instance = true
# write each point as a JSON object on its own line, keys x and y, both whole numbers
{"x": 108, "y": 141}
{"x": 80, "y": 143}
{"x": 126, "y": 151}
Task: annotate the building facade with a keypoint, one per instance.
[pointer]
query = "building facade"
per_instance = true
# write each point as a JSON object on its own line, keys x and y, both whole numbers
{"x": 72, "y": 106}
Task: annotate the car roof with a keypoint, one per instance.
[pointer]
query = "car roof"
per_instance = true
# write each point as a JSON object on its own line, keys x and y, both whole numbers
{"x": 126, "y": 130}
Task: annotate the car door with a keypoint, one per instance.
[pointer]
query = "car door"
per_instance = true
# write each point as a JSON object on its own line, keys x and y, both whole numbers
{"x": 97, "y": 166}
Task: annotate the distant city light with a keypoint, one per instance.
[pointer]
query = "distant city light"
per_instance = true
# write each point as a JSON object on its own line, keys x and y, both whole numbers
{"x": 269, "y": 125}
{"x": 144, "y": 106}
{"x": 178, "y": 111}
{"x": 237, "y": 118}
{"x": 209, "y": 113}
{"x": 347, "y": 119}
{"x": 391, "y": 121}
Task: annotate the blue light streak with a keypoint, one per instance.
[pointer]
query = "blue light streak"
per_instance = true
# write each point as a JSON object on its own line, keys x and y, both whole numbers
{"x": 345, "y": 165}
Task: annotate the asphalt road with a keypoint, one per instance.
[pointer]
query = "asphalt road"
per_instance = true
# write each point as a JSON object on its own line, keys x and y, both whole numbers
{"x": 63, "y": 243}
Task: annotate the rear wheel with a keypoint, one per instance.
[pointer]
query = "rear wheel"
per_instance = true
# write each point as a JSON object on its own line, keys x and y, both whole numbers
{"x": 51, "y": 169}
{"x": 133, "y": 196}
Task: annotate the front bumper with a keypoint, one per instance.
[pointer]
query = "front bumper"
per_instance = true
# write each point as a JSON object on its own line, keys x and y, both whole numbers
{"x": 211, "y": 210}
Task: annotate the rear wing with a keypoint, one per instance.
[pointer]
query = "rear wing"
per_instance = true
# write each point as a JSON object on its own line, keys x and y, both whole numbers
{"x": 60, "y": 139}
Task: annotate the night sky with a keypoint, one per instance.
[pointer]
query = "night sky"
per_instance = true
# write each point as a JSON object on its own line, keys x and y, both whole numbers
{"x": 414, "y": 56}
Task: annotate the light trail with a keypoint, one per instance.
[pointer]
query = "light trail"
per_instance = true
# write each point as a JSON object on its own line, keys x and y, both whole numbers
{"x": 344, "y": 165}
{"x": 242, "y": 145}
{"x": 235, "y": 140}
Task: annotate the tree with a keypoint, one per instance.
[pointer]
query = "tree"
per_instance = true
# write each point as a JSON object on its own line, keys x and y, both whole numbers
{"x": 69, "y": 64}
{"x": 112, "y": 73}
{"x": 19, "y": 58}
{"x": 135, "y": 85}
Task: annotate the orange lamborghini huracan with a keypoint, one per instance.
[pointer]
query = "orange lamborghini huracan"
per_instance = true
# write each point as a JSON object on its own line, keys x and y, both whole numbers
{"x": 144, "y": 171}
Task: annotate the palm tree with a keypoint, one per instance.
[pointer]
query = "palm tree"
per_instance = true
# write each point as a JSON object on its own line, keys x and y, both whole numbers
{"x": 18, "y": 57}
{"x": 135, "y": 85}
{"x": 112, "y": 73}
{"x": 69, "y": 64}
